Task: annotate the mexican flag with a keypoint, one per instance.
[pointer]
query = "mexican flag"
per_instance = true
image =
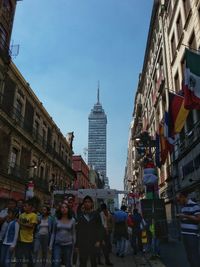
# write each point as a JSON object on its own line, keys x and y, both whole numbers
{"x": 191, "y": 85}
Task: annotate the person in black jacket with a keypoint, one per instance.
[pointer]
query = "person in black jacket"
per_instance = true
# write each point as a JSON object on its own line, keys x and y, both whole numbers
{"x": 89, "y": 233}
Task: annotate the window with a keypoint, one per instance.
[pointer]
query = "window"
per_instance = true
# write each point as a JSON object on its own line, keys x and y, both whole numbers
{"x": 198, "y": 115}
{"x": 179, "y": 26}
{"x": 183, "y": 67}
{"x": 7, "y": 5}
{"x": 187, "y": 7}
{"x": 34, "y": 168}
{"x": 3, "y": 37}
{"x": 54, "y": 145}
{"x": 18, "y": 108}
{"x": 190, "y": 121}
{"x": 41, "y": 172}
{"x": 169, "y": 9}
{"x": 37, "y": 125}
{"x": 36, "y": 128}
{"x": 182, "y": 135}
{"x": 43, "y": 137}
{"x": 177, "y": 82}
{"x": 13, "y": 157}
{"x": 173, "y": 46}
{"x": 7, "y": 12}
{"x": 192, "y": 42}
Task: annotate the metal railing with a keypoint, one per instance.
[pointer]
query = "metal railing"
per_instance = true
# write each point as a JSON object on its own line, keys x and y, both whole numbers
{"x": 190, "y": 138}
{"x": 18, "y": 174}
{"x": 21, "y": 175}
{"x": 19, "y": 120}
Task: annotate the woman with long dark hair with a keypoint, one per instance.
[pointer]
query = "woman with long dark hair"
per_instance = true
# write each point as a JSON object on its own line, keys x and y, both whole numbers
{"x": 63, "y": 238}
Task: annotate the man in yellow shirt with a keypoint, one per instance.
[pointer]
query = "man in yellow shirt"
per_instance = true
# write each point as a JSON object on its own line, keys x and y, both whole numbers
{"x": 27, "y": 222}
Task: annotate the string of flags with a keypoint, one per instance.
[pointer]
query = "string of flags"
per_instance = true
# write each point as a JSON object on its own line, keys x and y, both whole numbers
{"x": 179, "y": 107}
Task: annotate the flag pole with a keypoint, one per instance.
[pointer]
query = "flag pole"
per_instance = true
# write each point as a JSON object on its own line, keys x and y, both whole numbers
{"x": 196, "y": 50}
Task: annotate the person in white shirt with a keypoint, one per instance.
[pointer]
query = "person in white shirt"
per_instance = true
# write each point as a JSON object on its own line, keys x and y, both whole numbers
{"x": 43, "y": 233}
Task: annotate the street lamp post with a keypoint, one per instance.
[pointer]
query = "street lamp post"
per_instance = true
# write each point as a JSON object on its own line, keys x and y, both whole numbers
{"x": 29, "y": 186}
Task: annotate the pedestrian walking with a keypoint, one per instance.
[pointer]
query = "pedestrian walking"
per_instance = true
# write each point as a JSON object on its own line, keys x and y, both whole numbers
{"x": 121, "y": 230}
{"x": 24, "y": 248}
{"x": 155, "y": 230}
{"x": 63, "y": 238}
{"x": 9, "y": 235}
{"x": 89, "y": 233}
{"x": 190, "y": 219}
{"x": 42, "y": 235}
{"x": 107, "y": 223}
{"x": 71, "y": 205}
{"x": 137, "y": 232}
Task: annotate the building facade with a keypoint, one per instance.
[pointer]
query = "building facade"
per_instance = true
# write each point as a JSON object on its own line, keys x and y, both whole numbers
{"x": 182, "y": 22}
{"x": 97, "y": 138}
{"x": 174, "y": 26}
{"x": 32, "y": 148}
{"x": 82, "y": 173}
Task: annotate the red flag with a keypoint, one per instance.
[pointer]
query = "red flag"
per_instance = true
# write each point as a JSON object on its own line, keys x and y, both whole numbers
{"x": 192, "y": 80}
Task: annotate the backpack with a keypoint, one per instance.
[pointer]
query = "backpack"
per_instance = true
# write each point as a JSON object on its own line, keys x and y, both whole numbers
{"x": 130, "y": 221}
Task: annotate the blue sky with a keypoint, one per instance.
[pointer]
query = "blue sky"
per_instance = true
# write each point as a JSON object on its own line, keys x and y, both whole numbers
{"x": 66, "y": 46}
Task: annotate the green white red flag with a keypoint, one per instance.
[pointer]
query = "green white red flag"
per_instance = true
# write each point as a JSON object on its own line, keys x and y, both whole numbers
{"x": 191, "y": 85}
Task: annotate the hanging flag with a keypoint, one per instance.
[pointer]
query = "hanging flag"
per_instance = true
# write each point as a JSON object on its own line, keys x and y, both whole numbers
{"x": 177, "y": 113}
{"x": 192, "y": 80}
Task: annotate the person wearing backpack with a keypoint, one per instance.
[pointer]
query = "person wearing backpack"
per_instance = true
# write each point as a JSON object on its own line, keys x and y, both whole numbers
{"x": 63, "y": 238}
{"x": 9, "y": 235}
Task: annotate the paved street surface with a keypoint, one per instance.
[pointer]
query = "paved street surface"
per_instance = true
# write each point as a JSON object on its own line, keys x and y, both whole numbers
{"x": 136, "y": 261}
{"x": 130, "y": 261}
{"x": 173, "y": 254}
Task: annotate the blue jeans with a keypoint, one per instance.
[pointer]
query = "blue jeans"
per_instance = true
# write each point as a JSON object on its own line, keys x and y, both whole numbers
{"x": 121, "y": 246}
{"x": 41, "y": 244}
{"x": 24, "y": 252}
{"x": 191, "y": 244}
{"x": 136, "y": 241}
{"x": 6, "y": 256}
{"x": 62, "y": 252}
{"x": 155, "y": 244}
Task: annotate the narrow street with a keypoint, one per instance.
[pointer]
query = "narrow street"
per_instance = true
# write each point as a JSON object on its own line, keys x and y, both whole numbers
{"x": 136, "y": 261}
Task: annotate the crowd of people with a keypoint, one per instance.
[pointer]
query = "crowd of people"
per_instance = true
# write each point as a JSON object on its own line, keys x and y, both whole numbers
{"x": 63, "y": 236}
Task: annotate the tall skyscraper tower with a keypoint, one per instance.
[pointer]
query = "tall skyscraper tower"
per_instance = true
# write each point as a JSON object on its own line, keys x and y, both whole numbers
{"x": 97, "y": 139}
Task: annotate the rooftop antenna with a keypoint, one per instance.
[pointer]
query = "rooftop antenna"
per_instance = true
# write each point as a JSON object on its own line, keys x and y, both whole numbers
{"x": 98, "y": 93}
{"x": 85, "y": 152}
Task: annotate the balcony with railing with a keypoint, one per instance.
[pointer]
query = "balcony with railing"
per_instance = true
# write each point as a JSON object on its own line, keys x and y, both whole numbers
{"x": 191, "y": 138}
{"x": 18, "y": 120}
{"x": 20, "y": 175}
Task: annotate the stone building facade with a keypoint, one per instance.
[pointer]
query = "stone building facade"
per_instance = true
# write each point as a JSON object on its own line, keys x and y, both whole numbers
{"x": 174, "y": 26}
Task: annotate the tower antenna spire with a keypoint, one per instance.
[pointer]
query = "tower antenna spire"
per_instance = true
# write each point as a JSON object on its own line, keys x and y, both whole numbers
{"x": 98, "y": 93}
